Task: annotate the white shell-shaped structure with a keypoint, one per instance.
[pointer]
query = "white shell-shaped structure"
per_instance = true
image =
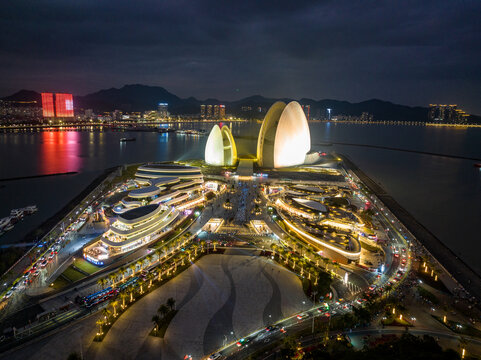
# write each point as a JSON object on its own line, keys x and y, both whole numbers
{"x": 284, "y": 138}
{"x": 220, "y": 149}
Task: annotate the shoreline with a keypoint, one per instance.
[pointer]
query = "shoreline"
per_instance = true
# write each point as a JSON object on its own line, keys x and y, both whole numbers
{"x": 39, "y": 176}
{"x": 460, "y": 271}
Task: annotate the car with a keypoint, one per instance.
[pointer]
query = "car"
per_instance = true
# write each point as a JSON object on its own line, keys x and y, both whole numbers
{"x": 282, "y": 330}
{"x": 216, "y": 356}
{"x": 372, "y": 287}
{"x": 241, "y": 342}
{"x": 272, "y": 328}
{"x": 43, "y": 263}
{"x": 8, "y": 294}
{"x": 36, "y": 273}
{"x": 301, "y": 316}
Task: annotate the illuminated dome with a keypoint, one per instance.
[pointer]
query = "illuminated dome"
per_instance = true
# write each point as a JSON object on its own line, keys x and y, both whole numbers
{"x": 220, "y": 149}
{"x": 284, "y": 138}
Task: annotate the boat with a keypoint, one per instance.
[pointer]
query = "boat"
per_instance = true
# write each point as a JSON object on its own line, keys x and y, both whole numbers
{"x": 127, "y": 139}
{"x": 18, "y": 213}
{"x": 5, "y": 222}
{"x": 30, "y": 209}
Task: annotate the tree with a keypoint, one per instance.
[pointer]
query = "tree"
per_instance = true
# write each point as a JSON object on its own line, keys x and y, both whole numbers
{"x": 171, "y": 303}
{"x": 101, "y": 282}
{"x": 114, "y": 304}
{"x": 163, "y": 310}
{"x": 158, "y": 252}
{"x": 133, "y": 267}
{"x": 141, "y": 282}
{"x": 202, "y": 244}
{"x": 100, "y": 323}
{"x": 113, "y": 278}
{"x": 123, "y": 296}
{"x": 139, "y": 264}
{"x": 106, "y": 315}
{"x": 122, "y": 272}
{"x": 149, "y": 259}
{"x": 156, "y": 321}
{"x": 215, "y": 243}
{"x": 150, "y": 277}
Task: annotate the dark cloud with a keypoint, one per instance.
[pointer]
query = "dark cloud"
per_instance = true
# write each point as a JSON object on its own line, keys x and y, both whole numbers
{"x": 405, "y": 51}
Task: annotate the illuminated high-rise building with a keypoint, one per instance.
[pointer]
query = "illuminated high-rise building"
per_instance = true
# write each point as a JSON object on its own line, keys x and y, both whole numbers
{"x": 64, "y": 105}
{"x": 163, "y": 110}
{"x": 209, "y": 111}
{"x": 202, "y": 111}
{"x": 221, "y": 111}
{"x": 446, "y": 113}
{"x": 216, "y": 111}
{"x": 48, "y": 108}
{"x": 57, "y": 105}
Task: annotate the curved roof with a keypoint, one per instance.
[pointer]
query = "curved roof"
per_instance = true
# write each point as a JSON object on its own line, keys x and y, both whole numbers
{"x": 230, "y": 150}
{"x": 220, "y": 149}
{"x": 145, "y": 192}
{"x": 213, "y": 148}
{"x": 138, "y": 214}
{"x": 284, "y": 138}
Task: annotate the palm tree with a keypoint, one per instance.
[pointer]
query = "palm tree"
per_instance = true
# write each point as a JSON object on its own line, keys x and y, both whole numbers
{"x": 182, "y": 257}
{"x": 140, "y": 264}
{"x": 101, "y": 282}
{"x": 160, "y": 268}
{"x": 99, "y": 322}
{"x": 196, "y": 247}
{"x": 141, "y": 283}
{"x": 294, "y": 259}
{"x": 114, "y": 306}
{"x": 163, "y": 310}
{"x": 156, "y": 321}
{"x": 202, "y": 244}
{"x": 215, "y": 243}
{"x": 106, "y": 314}
{"x": 158, "y": 252}
{"x": 288, "y": 256}
{"x": 123, "y": 296}
{"x": 131, "y": 291}
{"x": 122, "y": 273}
{"x": 171, "y": 303}
{"x": 150, "y": 276}
{"x": 149, "y": 259}
{"x": 133, "y": 267}
{"x": 112, "y": 278}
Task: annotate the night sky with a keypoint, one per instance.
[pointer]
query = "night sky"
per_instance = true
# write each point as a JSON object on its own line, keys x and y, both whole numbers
{"x": 409, "y": 52}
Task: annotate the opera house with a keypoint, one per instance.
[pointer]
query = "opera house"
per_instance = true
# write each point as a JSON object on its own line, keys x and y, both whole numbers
{"x": 284, "y": 139}
{"x": 162, "y": 193}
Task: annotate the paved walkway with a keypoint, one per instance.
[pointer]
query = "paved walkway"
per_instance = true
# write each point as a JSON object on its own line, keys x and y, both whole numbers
{"x": 218, "y": 295}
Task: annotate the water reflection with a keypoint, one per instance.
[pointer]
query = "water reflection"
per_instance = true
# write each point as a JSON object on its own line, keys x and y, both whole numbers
{"x": 59, "y": 152}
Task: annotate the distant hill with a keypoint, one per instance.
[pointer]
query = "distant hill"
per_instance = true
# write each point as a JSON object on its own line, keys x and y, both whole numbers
{"x": 24, "y": 95}
{"x": 142, "y": 97}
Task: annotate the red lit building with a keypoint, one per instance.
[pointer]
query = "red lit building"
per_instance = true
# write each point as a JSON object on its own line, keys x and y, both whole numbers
{"x": 61, "y": 107}
{"x": 64, "y": 105}
{"x": 47, "y": 105}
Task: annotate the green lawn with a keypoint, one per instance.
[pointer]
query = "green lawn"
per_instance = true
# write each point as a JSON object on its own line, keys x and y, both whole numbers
{"x": 72, "y": 274}
{"x": 60, "y": 283}
{"x": 84, "y": 265}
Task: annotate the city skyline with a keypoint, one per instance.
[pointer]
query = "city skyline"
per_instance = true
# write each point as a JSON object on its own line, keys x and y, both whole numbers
{"x": 418, "y": 54}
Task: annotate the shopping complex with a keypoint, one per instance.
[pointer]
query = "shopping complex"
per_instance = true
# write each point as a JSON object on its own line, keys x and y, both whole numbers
{"x": 159, "y": 197}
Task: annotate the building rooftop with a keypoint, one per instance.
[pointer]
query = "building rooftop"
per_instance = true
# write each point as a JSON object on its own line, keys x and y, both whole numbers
{"x": 139, "y": 212}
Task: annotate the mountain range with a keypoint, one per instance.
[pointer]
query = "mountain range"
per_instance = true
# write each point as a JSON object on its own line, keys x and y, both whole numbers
{"x": 142, "y": 97}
